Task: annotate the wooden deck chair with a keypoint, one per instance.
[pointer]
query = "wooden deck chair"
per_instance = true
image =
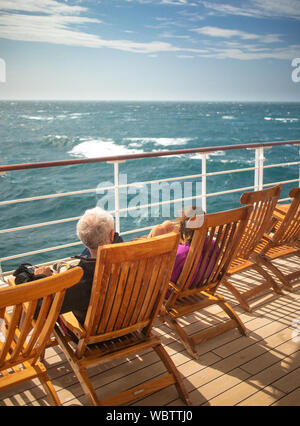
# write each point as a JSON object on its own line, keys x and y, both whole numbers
{"x": 22, "y": 342}
{"x": 215, "y": 242}
{"x": 284, "y": 242}
{"x": 260, "y": 222}
{"x": 129, "y": 286}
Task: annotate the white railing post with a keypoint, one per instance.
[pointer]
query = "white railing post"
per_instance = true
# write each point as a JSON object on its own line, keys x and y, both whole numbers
{"x": 259, "y": 169}
{"x": 203, "y": 156}
{"x": 299, "y": 166}
{"x": 117, "y": 196}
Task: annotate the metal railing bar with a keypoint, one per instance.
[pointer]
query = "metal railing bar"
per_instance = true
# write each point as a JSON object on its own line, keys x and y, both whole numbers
{"x": 17, "y": 256}
{"x": 43, "y": 197}
{"x": 213, "y": 194}
{"x": 38, "y": 225}
{"x": 160, "y": 180}
{"x": 223, "y": 172}
{"x": 294, "y": 163}
{"x": 281, "y": 181}
{"x": 133, "y": 231}
{"x": 206, "y": 150}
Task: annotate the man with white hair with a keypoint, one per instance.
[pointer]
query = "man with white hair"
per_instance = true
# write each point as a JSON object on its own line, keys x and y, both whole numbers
{"x": 95, "y": 228}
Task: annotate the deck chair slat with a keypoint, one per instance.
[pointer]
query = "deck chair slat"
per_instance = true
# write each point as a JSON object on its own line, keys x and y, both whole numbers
{"x": 10, "y": 336}
{"x": 110, "y": 297}
{"x": 121, "y": 277}
{"x": 39, "y": 323}
{"x": 157, "y": 292}
{"x": 143, "y": 290}
{"x": 131, "y": 275}
{"x": 136, "y": 278}
{"x": 24, "y": 329}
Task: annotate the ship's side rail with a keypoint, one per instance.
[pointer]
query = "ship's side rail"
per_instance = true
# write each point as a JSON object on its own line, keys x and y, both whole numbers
{"x": 259, "y": 150}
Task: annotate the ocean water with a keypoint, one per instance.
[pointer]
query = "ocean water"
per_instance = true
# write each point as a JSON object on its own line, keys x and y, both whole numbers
{"x": 47, "y": 131}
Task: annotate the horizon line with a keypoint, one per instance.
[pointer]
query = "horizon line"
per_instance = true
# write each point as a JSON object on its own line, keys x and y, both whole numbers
{"x": 148, "y": 100}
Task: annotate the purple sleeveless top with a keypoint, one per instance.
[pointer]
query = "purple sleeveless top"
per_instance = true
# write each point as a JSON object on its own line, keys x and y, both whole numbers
{"x": 182, "y": 252}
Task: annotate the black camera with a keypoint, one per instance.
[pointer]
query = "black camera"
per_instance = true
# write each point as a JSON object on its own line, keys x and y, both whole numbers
{"x": 25, "y": 273}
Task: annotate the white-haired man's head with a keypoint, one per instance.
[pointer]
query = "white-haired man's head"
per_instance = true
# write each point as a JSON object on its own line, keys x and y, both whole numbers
{"x": 95, "y": 228}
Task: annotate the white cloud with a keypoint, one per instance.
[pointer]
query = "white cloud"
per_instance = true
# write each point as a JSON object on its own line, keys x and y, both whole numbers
{"x": 42, "y": 6}
{"x": 259, "y": 8}
{"x": 225, "y": 33}
{"x": 228, "y": 33}
{"x": 56, "y": 27}
{"x": 251, "y": 53}
{"x": 52, "y": 23}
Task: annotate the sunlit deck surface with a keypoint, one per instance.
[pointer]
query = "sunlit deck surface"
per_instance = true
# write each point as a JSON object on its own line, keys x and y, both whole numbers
{"x": 261, "y": 369}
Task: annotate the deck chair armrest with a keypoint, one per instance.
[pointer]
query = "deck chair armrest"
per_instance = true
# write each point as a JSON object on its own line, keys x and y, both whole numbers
{"x": 71, "y": 322}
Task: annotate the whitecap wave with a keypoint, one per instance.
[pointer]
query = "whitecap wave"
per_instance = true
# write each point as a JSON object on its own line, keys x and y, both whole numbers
{"x": 282, "y": 119}
{"x": 228, "y": 117}
{"x": 37, "y": 117}
{"x": 158, "y": 141}
{"x": 93, "y": 148}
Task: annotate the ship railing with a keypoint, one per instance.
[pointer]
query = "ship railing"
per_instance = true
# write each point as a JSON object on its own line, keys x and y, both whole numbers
{"x": 258, "y": 168}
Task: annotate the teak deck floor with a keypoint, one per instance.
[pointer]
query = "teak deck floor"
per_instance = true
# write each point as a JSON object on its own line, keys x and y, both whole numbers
{"x": 261, "y": 369}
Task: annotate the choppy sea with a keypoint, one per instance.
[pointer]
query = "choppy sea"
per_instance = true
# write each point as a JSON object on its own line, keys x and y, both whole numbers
{"x": 35, "y": 131}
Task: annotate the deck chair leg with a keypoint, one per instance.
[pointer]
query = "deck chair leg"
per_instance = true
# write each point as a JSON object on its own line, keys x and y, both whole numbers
{"x": 233, "y": 315}
{"x": 164, "y": 356}
{"x": 185, "y": 339}
{"x": 47, "y": 386}
{"x": 268, "y": 278}
{"x": 237, "y": 295}
{"x": 87, "y": 386}
{"x": 268, "y": 264}
{"x": 80, "y": 373}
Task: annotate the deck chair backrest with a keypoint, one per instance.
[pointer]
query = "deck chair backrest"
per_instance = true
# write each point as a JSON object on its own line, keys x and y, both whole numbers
{"x": 212, "y": 247}
{"x": 289, "y": 229}
{"x": 23, "y": 339}
{"x": 260, "y": 220}
{"x": 129, "y": 285}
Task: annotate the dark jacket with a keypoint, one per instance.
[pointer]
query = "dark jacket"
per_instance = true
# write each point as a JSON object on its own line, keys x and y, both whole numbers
{"x": 77, "y": 298}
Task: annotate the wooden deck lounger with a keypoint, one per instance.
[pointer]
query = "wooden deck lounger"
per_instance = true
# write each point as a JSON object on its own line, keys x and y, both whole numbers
{"x": 284, "y": 242}
{"x": 259, "y": 223}
{"x": 129, "y": 286}
{"x": 23, "y": 340}
{"x": 216, "y": 242}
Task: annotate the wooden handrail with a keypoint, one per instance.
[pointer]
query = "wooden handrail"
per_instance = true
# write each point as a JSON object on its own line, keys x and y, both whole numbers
{"x": 114, "y": 158}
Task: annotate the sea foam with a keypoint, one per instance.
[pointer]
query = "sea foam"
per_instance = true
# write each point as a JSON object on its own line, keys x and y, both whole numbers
{"x": 100, "y": 148}
{"x": 158, "y": 141}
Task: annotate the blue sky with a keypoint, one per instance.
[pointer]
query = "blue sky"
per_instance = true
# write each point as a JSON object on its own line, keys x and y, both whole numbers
{"x": 150, "y": 49}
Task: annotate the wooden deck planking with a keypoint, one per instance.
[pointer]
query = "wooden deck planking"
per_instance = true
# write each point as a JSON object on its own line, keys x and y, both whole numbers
{"x": 261, "y": 369}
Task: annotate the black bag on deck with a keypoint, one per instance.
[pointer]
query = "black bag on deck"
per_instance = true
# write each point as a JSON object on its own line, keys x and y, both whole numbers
{"x": 25, "y": 273}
